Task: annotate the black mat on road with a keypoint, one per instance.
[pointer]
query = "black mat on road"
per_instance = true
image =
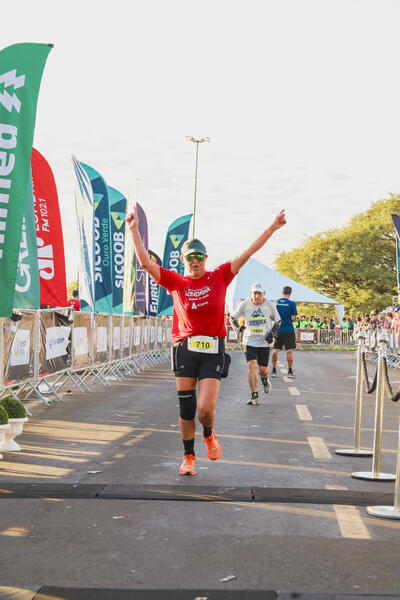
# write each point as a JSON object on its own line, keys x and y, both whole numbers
{"x": 58, "y": 593}
{"x": 53, "y": 593}
{"x": 194, "y": 493}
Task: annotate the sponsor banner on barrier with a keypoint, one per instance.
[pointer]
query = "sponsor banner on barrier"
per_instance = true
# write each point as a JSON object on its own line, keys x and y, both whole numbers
{"x": 56, "y": 341}
{"x": 116, "y": 338}
{"x": 101, "y": 345}
{"x": 177, "y": 234}
{"x": 102, "y": 338}
{"x": 127, "y": 337}
{"x": 80, "y": 340}
{"x": 20, "y": 351}
{"x": 19, "y": 346}
{"x": 21, "y": 70}
{"x": 232, "y": 335}
{"x": 136, "y": 336}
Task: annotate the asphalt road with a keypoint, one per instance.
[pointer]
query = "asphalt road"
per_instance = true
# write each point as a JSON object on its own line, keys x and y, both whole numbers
{"x": 135, "y": 523}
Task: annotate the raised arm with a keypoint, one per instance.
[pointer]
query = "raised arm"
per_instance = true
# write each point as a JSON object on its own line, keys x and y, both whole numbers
{"x": 241, "y": 259}
{"x": 148, "y": 265}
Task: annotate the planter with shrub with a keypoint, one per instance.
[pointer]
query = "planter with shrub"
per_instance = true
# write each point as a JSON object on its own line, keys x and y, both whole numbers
{"x": 4, "y": 427}
{"x": 16, "y": 418}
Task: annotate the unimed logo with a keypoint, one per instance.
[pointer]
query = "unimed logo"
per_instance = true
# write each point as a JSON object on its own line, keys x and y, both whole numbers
{"x": 8, "y": 141}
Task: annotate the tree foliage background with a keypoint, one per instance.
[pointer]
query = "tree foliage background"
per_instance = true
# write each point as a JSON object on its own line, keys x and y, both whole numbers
{"x": 355, "y": 265}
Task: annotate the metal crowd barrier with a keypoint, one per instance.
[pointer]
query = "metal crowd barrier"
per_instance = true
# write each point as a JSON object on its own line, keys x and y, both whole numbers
{"x": 43, "y": 351}
{"x": 305, "y": 338}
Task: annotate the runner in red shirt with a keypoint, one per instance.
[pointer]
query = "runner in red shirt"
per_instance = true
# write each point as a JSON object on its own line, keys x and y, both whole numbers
{"x": 198, "y": 332}
{"x": 74, "y": 301}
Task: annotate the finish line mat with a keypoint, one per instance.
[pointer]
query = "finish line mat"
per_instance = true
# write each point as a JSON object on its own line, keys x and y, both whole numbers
{"x": 62, "y": 593}
{"x": 193, "y": 493}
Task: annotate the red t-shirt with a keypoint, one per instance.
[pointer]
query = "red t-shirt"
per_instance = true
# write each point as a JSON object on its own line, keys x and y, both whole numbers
{"x": 199, "y": 304}
{"x": 76, "y": 305}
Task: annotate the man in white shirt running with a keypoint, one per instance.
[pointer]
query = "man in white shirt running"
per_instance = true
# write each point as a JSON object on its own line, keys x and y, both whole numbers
{"x": 261, "y": 322}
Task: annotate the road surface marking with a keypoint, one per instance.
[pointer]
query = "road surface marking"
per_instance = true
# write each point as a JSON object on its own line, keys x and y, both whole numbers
{"x": 303, "y": 412}
{"x": 318, "y": 447}
{"x": 293, "y": 391}
{"x": 247, "y": 463}
{"x": 283, "y": 371}
{"x": 137, "y": 439}
{"x": 349, "y": 519}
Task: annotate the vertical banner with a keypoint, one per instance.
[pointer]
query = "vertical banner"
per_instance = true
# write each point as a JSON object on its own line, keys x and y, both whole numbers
{"x": 153, "y": 288}
{"x": 140, "y": 286}
{"x": 84, "y": 205}
{"x": 50, "y": 244}
{"x": 117, "y": 203}
{"x": 396, "y": 223}
{"x": 102, "y": 246}
{"x": 129, "y": 266}
{"x": 177, "y": 234}
{"x": 21, "y": 70}
{"x": 27, "y": 287}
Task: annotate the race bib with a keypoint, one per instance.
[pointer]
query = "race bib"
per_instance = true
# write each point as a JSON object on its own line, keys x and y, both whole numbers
{"x": 258, "y": 330}
{"x": 203, "y": 343}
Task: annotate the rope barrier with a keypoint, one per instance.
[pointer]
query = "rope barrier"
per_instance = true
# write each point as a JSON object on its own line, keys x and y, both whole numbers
{"x": 388, "y": 388}
{"x": 369, "y": 389}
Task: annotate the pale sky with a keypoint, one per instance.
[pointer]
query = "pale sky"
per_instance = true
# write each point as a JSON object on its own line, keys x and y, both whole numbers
{"x": 299, "y": 97}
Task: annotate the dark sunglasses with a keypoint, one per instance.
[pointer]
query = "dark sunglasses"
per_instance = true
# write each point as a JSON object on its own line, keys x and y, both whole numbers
{"x": 199, "y": 257}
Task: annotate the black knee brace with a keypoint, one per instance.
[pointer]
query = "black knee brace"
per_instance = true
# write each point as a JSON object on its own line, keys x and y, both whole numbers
{"x": 187, "y": 404}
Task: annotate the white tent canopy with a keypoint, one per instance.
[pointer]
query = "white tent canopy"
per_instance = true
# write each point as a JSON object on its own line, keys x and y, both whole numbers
{"x": 273, "y": 282}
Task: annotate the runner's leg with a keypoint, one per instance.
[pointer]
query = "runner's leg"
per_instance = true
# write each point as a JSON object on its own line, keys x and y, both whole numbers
{"x": 289, "y": 356}
{"x": 206, "y": 402}
{"x": 188, "y": 428}
{"x": 252, "y": 375}
{"x": 275, "y": 358}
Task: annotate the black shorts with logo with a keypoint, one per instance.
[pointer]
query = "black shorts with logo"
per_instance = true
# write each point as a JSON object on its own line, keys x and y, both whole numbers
{"x": 200, "y": 365}
{"x": 285, "y": 339}
{"x": 260, "y": 354}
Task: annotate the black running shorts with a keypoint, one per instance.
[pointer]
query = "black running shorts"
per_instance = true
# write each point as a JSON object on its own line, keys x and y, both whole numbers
{"x": 260, "y": 354}
{"x": 286, "y": 339}
{"x": 200, "y": 365}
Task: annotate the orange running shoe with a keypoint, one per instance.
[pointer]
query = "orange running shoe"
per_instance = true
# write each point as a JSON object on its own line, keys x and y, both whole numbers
{"x": 187, "y": 466}
{"x": 213, "y": 446}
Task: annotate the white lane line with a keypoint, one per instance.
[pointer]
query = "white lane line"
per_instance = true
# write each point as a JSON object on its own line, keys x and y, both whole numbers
{"x": 349, "y": 519}
{"x": 288, "y": 380}
{"x": 318, "y": 447}
{"x": 303, "y": 412}
{"x": 293, "y": 391}
{"x": 283, "y": 371}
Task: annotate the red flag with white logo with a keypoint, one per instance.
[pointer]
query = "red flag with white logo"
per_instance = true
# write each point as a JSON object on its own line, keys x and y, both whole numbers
{"x": 51, "y": 260}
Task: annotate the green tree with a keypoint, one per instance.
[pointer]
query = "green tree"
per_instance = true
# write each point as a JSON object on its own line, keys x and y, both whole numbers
{"x": 355, "y": 265}
{"x": 71, "y": 286}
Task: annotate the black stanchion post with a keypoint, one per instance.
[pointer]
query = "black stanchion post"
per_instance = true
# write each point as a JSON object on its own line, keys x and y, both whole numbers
{"x": 355, "y": 451}
{"x": 375, "y": 474}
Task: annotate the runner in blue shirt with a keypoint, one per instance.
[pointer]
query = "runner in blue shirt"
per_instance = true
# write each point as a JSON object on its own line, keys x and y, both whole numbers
{"x": 286, "y": 336}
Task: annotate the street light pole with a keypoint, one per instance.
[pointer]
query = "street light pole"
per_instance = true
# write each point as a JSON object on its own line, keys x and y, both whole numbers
{"x": 197, "y": 142}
